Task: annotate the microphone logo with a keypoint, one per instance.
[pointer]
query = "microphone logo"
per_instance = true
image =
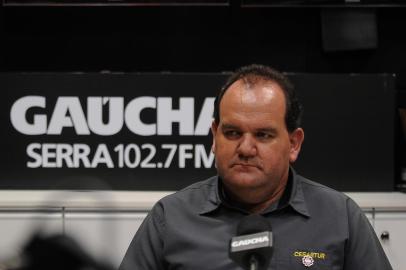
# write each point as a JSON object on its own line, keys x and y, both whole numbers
{"x": 251, "y": 241}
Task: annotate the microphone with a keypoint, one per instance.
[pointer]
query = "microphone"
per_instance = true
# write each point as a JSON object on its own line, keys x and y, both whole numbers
{"x": 252, "y": 247}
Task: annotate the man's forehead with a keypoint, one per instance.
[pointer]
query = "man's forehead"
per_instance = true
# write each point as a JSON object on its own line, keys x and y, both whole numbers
{"x": 257, "y": 91}
{"x": 257, "y": 107}
{"x": 261, "y": 98}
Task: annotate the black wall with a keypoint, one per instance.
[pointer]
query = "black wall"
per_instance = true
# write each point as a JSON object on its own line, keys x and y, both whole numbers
{"x": 194, "y": 39}
{"x": 202, "y": 39}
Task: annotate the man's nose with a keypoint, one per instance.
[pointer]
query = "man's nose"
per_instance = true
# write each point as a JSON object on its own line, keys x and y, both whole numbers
{"x": 247, "y": 146}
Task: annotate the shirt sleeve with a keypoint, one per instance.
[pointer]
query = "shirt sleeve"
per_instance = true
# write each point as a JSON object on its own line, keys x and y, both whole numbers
{"x": 146, "y": 249}
{"x": 363, "y": 249}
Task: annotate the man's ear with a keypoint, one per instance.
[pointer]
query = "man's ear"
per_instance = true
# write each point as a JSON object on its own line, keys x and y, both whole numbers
{"x": 296, "y": 139}
{"x": 214, "y": 127}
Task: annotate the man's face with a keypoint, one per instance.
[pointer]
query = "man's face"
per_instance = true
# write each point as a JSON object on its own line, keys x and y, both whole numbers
{"x": 252, "y": 146}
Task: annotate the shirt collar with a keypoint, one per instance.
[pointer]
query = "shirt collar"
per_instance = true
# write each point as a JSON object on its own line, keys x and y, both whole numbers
{"x": 295, "y": 199}
{"x": 213, "y": 200}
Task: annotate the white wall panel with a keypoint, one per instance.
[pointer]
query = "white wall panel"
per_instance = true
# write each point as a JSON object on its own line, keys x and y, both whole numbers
{"x": 395, "y": 224}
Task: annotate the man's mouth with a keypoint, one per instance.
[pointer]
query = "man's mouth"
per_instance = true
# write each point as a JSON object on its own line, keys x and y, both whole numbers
{"x": 244, "y": 165}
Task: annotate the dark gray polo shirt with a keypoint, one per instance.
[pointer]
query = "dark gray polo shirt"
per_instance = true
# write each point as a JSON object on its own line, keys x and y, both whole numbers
{"x": 192, "y": 228}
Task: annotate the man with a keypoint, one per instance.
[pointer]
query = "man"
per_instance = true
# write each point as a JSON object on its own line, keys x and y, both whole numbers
{"x": 256, "y": 137}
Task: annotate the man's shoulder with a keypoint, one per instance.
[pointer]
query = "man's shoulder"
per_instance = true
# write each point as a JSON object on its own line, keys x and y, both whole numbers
{"x": 201, "y": 185}
{"x": 194, "y": 194}
{"x": 320, "y": 193}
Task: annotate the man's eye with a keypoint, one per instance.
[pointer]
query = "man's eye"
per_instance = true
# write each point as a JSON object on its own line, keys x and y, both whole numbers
{"x": 263, "y": 135}
{"x": 231, "y": 134}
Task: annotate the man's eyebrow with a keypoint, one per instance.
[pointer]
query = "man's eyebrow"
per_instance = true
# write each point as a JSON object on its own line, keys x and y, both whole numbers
{"x": 228, "y": 126}
{"x": 267, "y": 129}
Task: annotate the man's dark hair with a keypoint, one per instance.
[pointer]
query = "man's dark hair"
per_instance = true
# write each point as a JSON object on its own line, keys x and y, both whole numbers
{"x": 258, "y": 73}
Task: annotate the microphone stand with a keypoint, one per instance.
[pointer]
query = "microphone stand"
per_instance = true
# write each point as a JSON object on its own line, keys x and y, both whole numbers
{"x": 253, "y": 263}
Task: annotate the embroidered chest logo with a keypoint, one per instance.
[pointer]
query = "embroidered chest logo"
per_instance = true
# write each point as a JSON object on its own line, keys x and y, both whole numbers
{"x": 308, "y": 258}
{"x": 307, "y": 261}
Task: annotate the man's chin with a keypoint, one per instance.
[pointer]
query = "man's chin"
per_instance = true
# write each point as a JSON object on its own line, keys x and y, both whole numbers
{"x": 244, "y": 168}
{"x": 243, "y": 180}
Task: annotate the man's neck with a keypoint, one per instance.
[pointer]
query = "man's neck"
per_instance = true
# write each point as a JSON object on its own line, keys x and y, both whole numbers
{"x": 279, "y": 197}
{"x": 253, "y": 207}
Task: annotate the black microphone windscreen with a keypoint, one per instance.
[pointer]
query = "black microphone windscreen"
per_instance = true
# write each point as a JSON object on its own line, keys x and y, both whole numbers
{"x": 252, "y": 247}
{"x": 253, "y": 223}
